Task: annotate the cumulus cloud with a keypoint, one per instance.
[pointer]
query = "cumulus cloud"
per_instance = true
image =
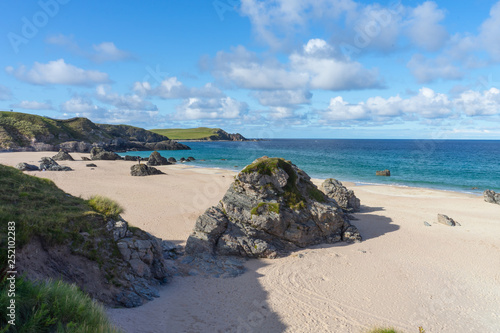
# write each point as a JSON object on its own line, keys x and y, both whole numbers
{"x": 58, "y": 72}
{"x": 82, "y": 106}
{"x": 427, "y": 104}
{"x": 212, "y": 108}
{"x": 125, "y": 102}
{"x": 103, "y": 52}
{"x": 172, "y": 88}
{"x": 489, "y": 36}
{"x": 425, "y": 29}
{"x": 33, "y": 105}
{"x": 5, "y": 93}
{"x": 315, "y": 66}
{"x": 283, "y": 97}
{"x": 427, "y": 70}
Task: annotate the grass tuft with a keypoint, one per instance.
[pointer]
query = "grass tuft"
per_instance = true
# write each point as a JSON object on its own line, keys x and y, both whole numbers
{"x": 105, "y": 206}
{"x": 52, "y": 306}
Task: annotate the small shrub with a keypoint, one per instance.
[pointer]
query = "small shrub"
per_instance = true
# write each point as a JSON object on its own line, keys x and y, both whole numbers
{"x": 105, "y": 206}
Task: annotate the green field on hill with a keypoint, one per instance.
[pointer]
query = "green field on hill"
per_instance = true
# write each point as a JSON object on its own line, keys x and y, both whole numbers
{"x": 187, "y": 133}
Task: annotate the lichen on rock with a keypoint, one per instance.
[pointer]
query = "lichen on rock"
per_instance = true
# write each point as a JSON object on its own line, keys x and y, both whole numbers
{"x": 271, "y": 208}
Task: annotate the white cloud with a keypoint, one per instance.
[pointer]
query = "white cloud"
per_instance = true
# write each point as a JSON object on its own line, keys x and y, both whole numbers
{"x": 428, "y": 70}
{"x": 124, "y": 102}
{"x": 427, "y": 104}
{"x": 212, "y": 108}
{"x": 5, "y": 93}
{"x": 489, "y": 33}
{"x": 105, "y": 51}
{"x": 425, "y": 29}
{"x": 316, "y": 66}
{"x": 82, "y": 106}
{"x": 172, "y": 88}
{"x": 58, "y": 72}
{"x": 33, "y": 105}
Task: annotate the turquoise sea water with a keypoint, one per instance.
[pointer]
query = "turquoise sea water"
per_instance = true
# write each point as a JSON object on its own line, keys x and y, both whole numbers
{"x": 450, "y": 165}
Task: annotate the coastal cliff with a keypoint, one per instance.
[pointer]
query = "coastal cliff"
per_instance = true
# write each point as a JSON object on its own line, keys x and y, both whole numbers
{"x": 26, "y": 132}
{"x": 200, "y": 134}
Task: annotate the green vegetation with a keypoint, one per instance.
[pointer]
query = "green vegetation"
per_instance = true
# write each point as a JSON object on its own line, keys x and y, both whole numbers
{"x": 105, "y": 206}
{"x": 316, "y": 194}
{"x": 268, "y": 166}
{"x": 199, "y": 133}
{"x": 272, "y": 207}
{"x": 53, "y": 306}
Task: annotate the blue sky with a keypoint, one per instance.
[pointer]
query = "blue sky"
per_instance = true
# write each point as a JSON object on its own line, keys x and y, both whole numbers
{"x": 280, "y": 68}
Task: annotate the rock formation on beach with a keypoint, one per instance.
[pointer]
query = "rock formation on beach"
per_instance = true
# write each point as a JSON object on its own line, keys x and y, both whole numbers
{"x": 156, "y": 159}
{"x": 62, "y": 156}
{"x": 48, "y": 164}
{"x": 491, "y": 197}
{"x": 102, "y": 154}
{"x": 271, "y": 208}
{"x": 144, "y": 170}
{"x": 26, "y": 167}
{"x": 444, "y": 219}
{"x": 345, "y": 198}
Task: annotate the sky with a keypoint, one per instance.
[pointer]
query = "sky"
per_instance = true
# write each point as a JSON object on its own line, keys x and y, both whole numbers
{"x": 265, "y": 69}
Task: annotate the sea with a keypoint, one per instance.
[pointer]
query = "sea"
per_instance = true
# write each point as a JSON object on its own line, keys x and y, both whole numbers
{"x": 457, "y": 165}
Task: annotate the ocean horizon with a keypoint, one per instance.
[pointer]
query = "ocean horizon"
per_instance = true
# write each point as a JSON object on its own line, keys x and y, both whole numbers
{"x": 470, "y": 166}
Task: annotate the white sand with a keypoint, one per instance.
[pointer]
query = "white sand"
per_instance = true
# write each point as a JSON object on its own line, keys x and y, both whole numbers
{"x": 404, "y": 274}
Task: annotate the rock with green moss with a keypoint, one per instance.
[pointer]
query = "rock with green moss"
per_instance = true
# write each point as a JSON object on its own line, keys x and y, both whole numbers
{"x": 62, "y": 156}
{"x": 156, "y": 159}
{"x": 144, "y": 170}
{"x": 270, "y": 209}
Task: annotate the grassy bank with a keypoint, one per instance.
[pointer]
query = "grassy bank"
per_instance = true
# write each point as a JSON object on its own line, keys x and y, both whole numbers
{"x": 187, "y": 133}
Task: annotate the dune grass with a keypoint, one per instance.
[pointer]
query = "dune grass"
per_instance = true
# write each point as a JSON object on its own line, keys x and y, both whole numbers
{"x": 186, "y": 133}
{"x": 52, "y": 306}
{"x": 105, "y": 206}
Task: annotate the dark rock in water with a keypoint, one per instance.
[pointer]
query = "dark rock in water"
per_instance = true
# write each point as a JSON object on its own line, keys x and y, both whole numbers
{"x": 49, "y": 164}
{"x": 91, "y": 165}
{"x": 132, "y": 158}
{"x": 166, "y": 145}
{"x": 491, "y": 197}
{"x": 345, "y": 198}
{"x": 97, "y": 153}
{"x": 85, "y": 158}
{"x": 26, "y": 167}
{"x": 190, "y": 159}
{"x": 156, "y": 159}
{"x": 443, "y": 219}
{"x": 172, "y": 160}
{"x": 144, "y": 170}
{"x": 385, "y": 173}
{"x": 271, "y": 208}
{"x": 62, "y": 156}
{"x": 182, "y": 159}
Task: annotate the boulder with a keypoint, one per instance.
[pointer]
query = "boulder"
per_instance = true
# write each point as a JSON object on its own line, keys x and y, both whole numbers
{"x": 190, "y": 159}
{"x": 62, "y": 156}
{"x": 144, "y": 170}
{"x": 444, "y": 219}
{"x": 91, "y": 165}
{"x": 491, "y": 197}
{"x": 156, "y": 159}
{"x": 26, "y": 167}
{"x": 49, "y": 164}
{"x": 182, "y": 159}
{"x": 132, "y": 158}
{"x": 343, "y": 197}
{"x": 385, "y": 173}
{"x": 172, "y": 160}
{"x": 270, "y": 209}
{"x": 98, "y": 153}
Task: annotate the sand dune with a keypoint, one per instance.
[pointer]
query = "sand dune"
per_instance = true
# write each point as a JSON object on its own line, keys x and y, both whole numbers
{"x": 404, "y": 274}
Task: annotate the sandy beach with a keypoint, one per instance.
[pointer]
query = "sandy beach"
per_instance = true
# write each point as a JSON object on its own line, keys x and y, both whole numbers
{"x": 403, "y": 274}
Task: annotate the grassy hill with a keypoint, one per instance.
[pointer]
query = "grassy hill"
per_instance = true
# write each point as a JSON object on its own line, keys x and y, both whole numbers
{"x": 199, "y": 133}
{"x": 20, "y": 131}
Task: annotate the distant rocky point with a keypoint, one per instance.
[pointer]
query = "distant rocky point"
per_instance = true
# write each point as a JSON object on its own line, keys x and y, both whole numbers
{"x": 271, "y": 208}
{"x": 27, "y": 132}
{"x": 200, "y": 134}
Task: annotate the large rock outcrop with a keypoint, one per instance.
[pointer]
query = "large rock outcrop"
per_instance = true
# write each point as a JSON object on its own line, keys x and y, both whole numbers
{"x": 156, "y": 159}
{"x": 345, "y": 198}
{"x": 97, "y": 153}
{"x": 48, "y": 164}
{"x": 144, "y": 170}
{"x": 491, "y": 197}
{"x": 271, "y": 208}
